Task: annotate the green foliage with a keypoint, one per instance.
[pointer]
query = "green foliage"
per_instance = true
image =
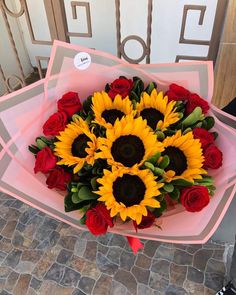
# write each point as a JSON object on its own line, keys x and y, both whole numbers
{"x": 174, "y": 195}
{"x": 150, "y": 87}
{"x": 87, "y": 104}
{"x": 208, "y": 123}
{"x": 164, "y": 162}
{"x": 168, "y": 187}
{"x": 182, "y": 182}
{"x": 33, "y": 149}
{"x": 192, "y": 118}
{"x": 71, "y": 206}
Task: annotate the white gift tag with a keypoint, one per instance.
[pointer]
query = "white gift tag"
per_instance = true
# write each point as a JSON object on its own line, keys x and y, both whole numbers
{"x": 82, "y": 61}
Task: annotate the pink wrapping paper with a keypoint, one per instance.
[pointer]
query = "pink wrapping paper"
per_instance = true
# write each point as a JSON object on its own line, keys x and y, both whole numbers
{"x": 24, "y": 112}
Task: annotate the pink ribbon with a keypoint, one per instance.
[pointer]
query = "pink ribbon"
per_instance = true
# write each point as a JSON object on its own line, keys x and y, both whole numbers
{"x": 135, "y": 244}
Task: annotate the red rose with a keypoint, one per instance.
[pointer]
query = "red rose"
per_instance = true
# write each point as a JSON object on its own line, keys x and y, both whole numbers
{"x": 45, "y": 160}
{"x": 98, "y": 219}
{"x": 69, "y": 103}
{"x": 196, "y": 101}
{"x": 177, "y": 92}
{"x": 55, "y": 123}
{"x": 120, "y": 86}
{"x": 213, "y": 157}
{"x": 205, "y": 137}
{"x": 58, "y": 178}
{"x": 147, "y": 221}
{"x": 194, "y": 198}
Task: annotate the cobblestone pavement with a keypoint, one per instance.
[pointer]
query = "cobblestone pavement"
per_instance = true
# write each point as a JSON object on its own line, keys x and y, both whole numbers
{"x": 41, "y": 255}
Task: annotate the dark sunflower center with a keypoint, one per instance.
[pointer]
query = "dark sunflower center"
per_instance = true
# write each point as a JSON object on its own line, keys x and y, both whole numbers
{"x": 129, "y": 189}
{"x": 152, "y": 116}
{"x": 79, "y": 145}
{"x": 178, "y": 161}
{"x": 128, "y": 150}
{"x": 110, "y": 116}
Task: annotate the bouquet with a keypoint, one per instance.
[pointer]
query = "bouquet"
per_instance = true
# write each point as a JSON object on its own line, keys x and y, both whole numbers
{"x": 129, "y": 149}
{"x": 129, "y": 152}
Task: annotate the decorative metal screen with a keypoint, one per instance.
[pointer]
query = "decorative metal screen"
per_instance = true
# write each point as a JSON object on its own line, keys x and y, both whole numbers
{"x": 62, "y": 17}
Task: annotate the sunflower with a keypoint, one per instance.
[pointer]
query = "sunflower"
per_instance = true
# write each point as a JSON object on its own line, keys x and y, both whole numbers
{"x": 157, "y": 111}
{"x": 108, "y": 110}
{"x": 186, "y": 159}
{"x": 76, "y": 145}
{"x": 129, "y": 143}
{"x": 128, "y": 191}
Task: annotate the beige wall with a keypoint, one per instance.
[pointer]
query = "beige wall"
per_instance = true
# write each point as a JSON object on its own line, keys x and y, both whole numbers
{"x": 225, "y": 74}
{"x": 7, "y": 58}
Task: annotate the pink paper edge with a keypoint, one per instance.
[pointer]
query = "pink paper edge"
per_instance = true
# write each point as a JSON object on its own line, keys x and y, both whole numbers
{"x": 231, "y": 117}
{"x": 19, "y": 91}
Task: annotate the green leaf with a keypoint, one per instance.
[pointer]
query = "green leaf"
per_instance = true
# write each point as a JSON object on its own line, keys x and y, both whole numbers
{"x": 215, "y": 135}
{"x": 83, "y": 220}
{"x": 210, "y": 122}
{"x": 168, "y": 187}
{"x": 40, "y": 143}
{"x": 33, "y": 149}
{"x": 149, "y": 166}
{"x": 205, "y": 181}
{"x": 94, "y": 183}
{"x": 87, "y": 104}
{"x": 150, "y": 87}
{"x": 70, "y": 206}
{"x": 86, "y": 194}
{"x": 175, "y": 194}
{"x": 74, "y": 190}
{"x": 193, "y": 118}
{"x": 154, "y": 158}
{"x": 182, "y": 182}
{"x": 107, "y": 87}
{"x": 75, "y": 117}
{"x": 164, "y": 162}
{"x": 199, "y": 124}
{"x": 187, "y": 131}
{"x": 160, "y": 135}
{"x": 138, "y": 86}
{"x": 158, "y": 171}
{"x": 75, "y": 198}
{"x": 134, "y": 96}
{"x": 134, "y": 102}
{"x": 158, "y": 211}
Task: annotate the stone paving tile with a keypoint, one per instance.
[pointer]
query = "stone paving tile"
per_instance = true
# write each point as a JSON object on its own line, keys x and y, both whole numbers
{"x": 114, "y": 254}
{"x": 177, "y": 274}
{"x": 41, "y": 255}
{"x": 158, "y": 282}
{"x": 201, "y": 257}
{"x": 150, "y": 248}
{"x": 103, "y": 285}
{"x": 165, "y": 253}
{"x": 193, "y": 288}
{"x": 127, "y": 260}
{"x": 162, "y": 267}
{"x": 195, "y": 275}
{"x": 143, "y": 261}
{"x": 86, "y": 284}
{"x": 127, "y": 279}
{"x": 11, "y": 281}
{"x": 70, "y": 278}
{"x": 176, "y": 290}
{"x": 141, "y": 275}
{"x": 22, "y": 285}
{"x": 105, "y": 265}
{"x": 118, "y": 288}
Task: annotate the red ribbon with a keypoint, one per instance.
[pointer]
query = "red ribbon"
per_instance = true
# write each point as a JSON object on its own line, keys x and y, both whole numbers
{"x": 135, "y": 244}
